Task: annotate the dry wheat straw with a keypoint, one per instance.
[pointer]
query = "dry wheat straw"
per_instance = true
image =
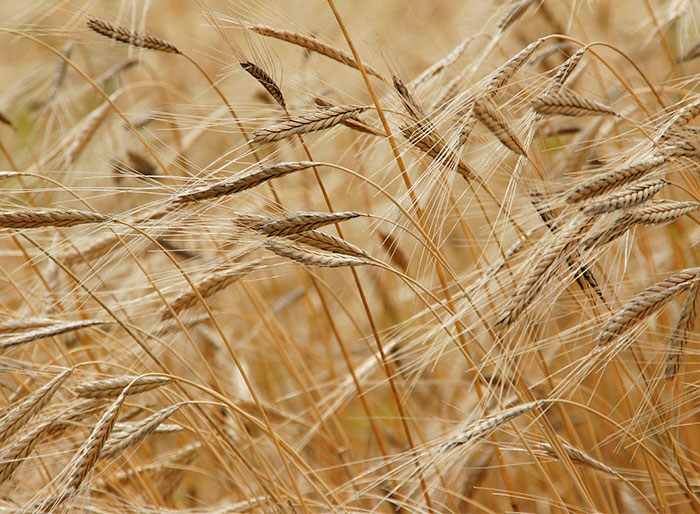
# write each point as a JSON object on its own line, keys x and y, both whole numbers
{"x": 310, "y": 257}
{"x": 51, "y": 330}
{"x": 301, "y": 222}
{"x": 684, "y": 326}
{"x": 483, "y": 426}
{"x": 631, "y": 196}
{"x": 20, "y": 450}
{"x": 646, "y": 302}
{"x": 329, "y": 243}
{"x": 242, "y": 182}
{"x": 313, "y": 45}
{"x": 568, "y": 104}
{"x": 487, "y": 114}
{"x": 503, "y": 74}
{"x": 265, "y": 81}
{"x": 514, "y": 13}
{"x": 120, "y": 440}
{"x": 49, "y": 218}
{"x": 208, "y": 286}
{"x": 111, "y": 387}
{"x": 90, "y": 125}
{"x": 615, "y": 178}
{"x": 304, "y": 123}
{"x": 18, "y": 416}
{"x": 131, "y": 37}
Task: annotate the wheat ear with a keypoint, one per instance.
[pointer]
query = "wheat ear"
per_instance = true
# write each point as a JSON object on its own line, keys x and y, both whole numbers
{"x": 130, "y": 37}
{"x": 11, "y": 459}
{"x": 242, "y": 182}
{"x": 313, "y": 258}
{"x": 503, "y": 74}
{"x": 329, "y": 243}
{"x": 631, "y": 196}
{"x": 211, "y": 284}
{"x": 646, "y": 302}
{"x": 684, "y": 326}
{"x": 121, "y": 440}
{"x": 483, "y": 426}
{"x": 89, "y": 452}
{"x": 18, "y": 416}
{"x": 568, "y": 104}
{"x": 265, "y": 81}
{"x": 491, "y": 118}
{"x": 513, "y": 14}
{"x": 51, "y": 330}
{"x": 301, "y": 222}
{"x": 313, "y": 45}
{"x": 111, "y": 387}
{"x": 49, "y": 218}
{"x": 304, "y": 123}
{"x": 603, "y": 183}
{"x": 690, "y": 54}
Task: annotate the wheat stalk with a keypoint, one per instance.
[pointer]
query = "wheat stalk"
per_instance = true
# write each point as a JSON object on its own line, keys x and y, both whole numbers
{"x": 646, "y": 302}
{"x": 304, "y": 123}
{"x": 130, "y": 37}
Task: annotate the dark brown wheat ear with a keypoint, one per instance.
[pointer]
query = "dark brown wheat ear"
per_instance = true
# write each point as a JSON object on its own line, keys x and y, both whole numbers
{"x": 131, "y": 37}
{"x": 265, "y": 81}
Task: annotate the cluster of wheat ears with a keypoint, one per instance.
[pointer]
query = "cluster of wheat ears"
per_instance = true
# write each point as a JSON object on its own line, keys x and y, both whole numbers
{"x": 514, "y": 329}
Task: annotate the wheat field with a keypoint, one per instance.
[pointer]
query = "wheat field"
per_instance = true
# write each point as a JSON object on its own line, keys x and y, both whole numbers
{"x": 349, "y": 256}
